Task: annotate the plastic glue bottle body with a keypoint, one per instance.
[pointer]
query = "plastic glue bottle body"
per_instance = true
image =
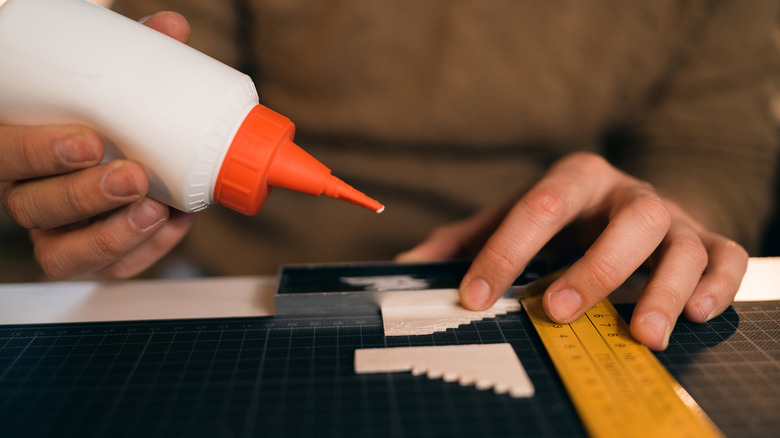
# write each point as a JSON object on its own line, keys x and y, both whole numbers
{"x": 193, "y": 123}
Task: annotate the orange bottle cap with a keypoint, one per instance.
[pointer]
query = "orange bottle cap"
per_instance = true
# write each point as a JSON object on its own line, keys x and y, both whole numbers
{"x": 263, "y": 156}
{"x": 242, "y": 183}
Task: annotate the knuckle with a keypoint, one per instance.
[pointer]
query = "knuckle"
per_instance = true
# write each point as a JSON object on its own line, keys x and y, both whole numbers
{"x": 108, "y": 246}
{"x": 722, "y": 285}
{"x": 736, "y": 251}
{"x": 28, "y": 157}
{"x": 726, "y": 282}
{"x": 653, "y": 215}
{"x": 503, "y": 261}
{"x": 693, "y": 251}
{"x": 585, "y": 158}
{"x": 546, "y": 204}
{"x": 18, "y": 208}
{"x": 51, "y": 262}
{"x": 603, "y": 275}
{"x": 588, "y": 162}
{"x": 76, "y": 202}
{"x": 592, "y": 160}
{"x": 666, "y": 297}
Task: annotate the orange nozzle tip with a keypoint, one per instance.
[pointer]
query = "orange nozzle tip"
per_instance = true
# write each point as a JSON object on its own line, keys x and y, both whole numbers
{"x": 338, "y": 189}
{"x": 358, "y": 198}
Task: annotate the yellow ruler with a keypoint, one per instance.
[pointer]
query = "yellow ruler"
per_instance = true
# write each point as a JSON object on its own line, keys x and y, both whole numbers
{"x": 617, "y": 385}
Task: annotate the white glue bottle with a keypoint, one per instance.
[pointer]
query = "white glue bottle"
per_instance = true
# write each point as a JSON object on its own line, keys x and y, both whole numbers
{"x": 193, "y": 123}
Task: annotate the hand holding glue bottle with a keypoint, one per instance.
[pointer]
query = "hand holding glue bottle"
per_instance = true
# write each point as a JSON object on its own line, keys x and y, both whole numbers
{"x": 193, "y": 124}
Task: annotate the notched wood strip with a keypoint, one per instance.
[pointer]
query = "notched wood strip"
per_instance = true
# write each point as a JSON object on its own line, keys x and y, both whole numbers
{"x": 482, "y": 365}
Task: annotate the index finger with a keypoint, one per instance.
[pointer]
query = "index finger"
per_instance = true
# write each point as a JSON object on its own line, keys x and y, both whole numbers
{"x": 39, "y": 151}
{"x": 572, "y": 186}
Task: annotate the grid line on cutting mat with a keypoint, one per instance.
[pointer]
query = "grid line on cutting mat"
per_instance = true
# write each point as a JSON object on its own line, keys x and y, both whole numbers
{"x": 295, "y": 377}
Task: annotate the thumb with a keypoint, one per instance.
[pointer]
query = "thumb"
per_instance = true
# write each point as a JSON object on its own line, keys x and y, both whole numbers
{"x": 458, "y": 239}
{"x": 441, "y": 244}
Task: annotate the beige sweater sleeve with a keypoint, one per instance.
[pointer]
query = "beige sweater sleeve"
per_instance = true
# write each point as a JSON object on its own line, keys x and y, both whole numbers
{"x": 440, "y": 108}
{"x": 706, "y": 138}
{"x": 215, "y": 25}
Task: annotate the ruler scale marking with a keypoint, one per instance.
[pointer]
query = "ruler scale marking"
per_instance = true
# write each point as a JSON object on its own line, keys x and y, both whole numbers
{"x": 617, "y": 385}
{"x": 636, "y": 388}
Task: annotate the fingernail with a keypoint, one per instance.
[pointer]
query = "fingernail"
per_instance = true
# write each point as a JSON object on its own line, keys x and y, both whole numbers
{"x": 119, "y": 183}
{"x": 564, "y": 304}
{"x": 476, "y": 293}
{"x": 145, "y": 215}
{"x": 659, "y": 325}
{"x": 707, "y": 308}
{"x": 76, "y": 148}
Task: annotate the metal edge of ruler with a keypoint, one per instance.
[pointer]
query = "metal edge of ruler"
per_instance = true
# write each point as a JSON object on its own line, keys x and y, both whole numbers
{"x": 618, "y": 386}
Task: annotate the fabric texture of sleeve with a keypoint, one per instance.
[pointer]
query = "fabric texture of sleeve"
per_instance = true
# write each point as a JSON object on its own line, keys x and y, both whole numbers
{"x": 215, "y": 28}
{"x": 707, "y": 139}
